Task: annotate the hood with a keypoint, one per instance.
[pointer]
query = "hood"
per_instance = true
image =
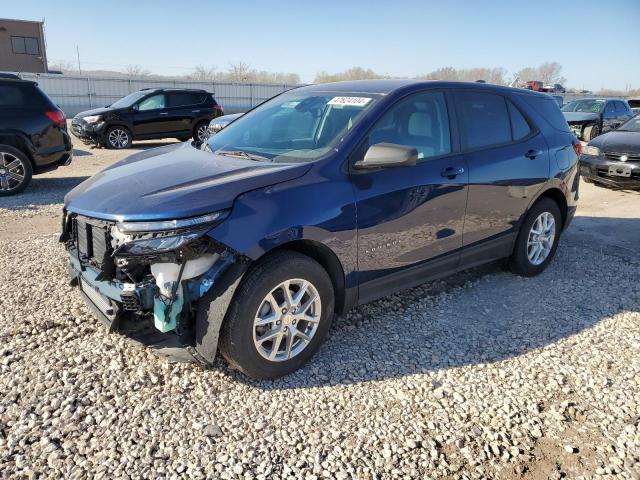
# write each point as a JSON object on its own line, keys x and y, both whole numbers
{"x": 95, "y": 111}
{"x": 175, "y": 181}
{"x": 616, "y": 141}
{"x": 580, "y": 116}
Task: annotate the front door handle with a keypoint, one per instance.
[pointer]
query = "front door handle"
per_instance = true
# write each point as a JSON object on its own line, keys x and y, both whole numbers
{"x": 533, "y": 154}
{"x": 452, "y": 172}
{"x": 164, "y": 113}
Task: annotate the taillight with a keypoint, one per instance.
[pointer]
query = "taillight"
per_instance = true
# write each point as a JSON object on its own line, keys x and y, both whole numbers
{"x": 218, "y": 108}
{"x": 577, "y": 146}
{"x": 56, "y": 116}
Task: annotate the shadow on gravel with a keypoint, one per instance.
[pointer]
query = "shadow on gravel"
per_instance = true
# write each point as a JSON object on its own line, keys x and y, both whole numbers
{"x": 448, "y": 324}
{"x": 81, "y": 153}
{"x": 42, "y": 191}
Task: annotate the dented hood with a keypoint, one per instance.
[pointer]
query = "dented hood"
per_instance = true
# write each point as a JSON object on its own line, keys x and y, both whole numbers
{"x": 580, "y": 116}
{"x": 175, "y": 181}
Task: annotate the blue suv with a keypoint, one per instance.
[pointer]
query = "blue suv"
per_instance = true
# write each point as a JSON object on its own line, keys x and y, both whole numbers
{"x": 323, "y": 198}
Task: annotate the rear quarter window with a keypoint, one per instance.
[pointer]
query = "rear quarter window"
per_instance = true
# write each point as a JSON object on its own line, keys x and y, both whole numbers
{"x": 22, "y": 95}
{"x": 548, "y": 109}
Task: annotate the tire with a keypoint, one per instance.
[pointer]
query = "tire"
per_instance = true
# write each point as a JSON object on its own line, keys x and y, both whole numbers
{"x": 15, "y": 171}
{"x": 117, "y": 138}
{"x": 201, "y": 132}
{"x": 590, "y": 132}
{"x": 183, "y": 139}
{"x": 587, "y": 180}
{"x": 240, "y": 337}
{"x": 523, "y": 260}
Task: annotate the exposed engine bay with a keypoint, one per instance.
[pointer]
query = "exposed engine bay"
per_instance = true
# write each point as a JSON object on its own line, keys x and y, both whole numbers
{"x": 154, "y": 277}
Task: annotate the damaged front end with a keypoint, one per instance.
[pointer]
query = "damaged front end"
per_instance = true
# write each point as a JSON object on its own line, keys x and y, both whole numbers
{"x": 147, "y": 278}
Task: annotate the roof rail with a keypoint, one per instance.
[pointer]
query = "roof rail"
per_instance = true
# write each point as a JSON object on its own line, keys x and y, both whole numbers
{"x": 9, "y": 76}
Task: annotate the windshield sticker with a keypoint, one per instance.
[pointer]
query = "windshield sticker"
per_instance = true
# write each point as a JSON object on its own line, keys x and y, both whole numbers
{"x": 350, "y": 101}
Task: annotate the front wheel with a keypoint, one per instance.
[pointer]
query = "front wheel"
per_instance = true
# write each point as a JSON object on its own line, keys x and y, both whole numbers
{"x": 590, "y": 132}
{"x": 118, "y": 138}
{"x": 278, "y": 317}
{"x": 537, "y": 240}
{"x": 15, "y": 171}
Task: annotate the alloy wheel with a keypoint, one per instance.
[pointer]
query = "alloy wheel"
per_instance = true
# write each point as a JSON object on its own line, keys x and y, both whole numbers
{"x": 202, "y": 133}
{"x": 286, "y": 320}
{"x": 118, "y": 138}
{"x": 12, "y": 172}
{"x": 541, "y": 238}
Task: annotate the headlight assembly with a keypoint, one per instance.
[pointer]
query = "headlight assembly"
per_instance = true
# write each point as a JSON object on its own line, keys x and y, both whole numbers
{"x": 589, "y": 150}
{"x": 92, "y": 118}
{"x": 170, "y": 225}
{"x": 159, "y": 244}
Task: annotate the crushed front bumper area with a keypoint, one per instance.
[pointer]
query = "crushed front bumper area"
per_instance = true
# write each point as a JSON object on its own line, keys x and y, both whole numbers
{"x": 161, "y": 301}
{"x": 87, "y": 133}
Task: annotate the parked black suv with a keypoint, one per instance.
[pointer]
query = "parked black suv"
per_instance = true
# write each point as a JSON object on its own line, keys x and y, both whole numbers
{"x": 147, "y": 114}
{"x": 33, "y": 134}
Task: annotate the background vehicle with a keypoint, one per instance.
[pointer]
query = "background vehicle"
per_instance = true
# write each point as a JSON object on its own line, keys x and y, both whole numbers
{"x": 33, "y": 134}
{"x": 555, "y": 88}
{"x": 148, "y": 114}
{"x": 590, "y": 117}
{"x": 614, "y": 158}
{"x": 635, "y": 105}
{"x": 320, "y": 199}
{"x": 219, "y": 123}
{"x": 534, "y": 85}
{"x": 559, "y": 100}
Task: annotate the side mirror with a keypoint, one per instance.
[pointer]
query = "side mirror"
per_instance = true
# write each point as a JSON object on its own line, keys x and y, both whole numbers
{"x": 135, "y": 107}
{"x": 383, "y": 155}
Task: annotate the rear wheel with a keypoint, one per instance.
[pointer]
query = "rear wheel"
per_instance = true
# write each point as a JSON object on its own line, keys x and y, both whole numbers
{"x": 538, "y": 239}
{"x": 15, "y": 171}
{"x": 118, "y": 138}
{"x": 201, "y": 132}
{"x": 278, "y": 317}
{"x": 590, "y": 132}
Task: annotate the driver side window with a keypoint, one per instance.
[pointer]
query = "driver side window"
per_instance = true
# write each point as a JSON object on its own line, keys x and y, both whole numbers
{"x": 152, "y": 103}
{"x": 419, "y": 121}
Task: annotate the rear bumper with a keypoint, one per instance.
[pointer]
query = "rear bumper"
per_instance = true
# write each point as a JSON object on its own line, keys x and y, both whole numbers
{"x": 54, "y": 157}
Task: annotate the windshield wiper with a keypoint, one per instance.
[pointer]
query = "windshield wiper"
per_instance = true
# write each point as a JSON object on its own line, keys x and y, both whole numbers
{"x": 243, "y": 154}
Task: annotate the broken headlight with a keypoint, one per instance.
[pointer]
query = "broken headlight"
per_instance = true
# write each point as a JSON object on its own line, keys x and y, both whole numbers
{"x": 209, "y": 219}
{"x": 145, "y": 238}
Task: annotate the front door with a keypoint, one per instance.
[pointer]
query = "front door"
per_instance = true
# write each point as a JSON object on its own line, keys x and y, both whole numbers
{"x": 151, "y": 119}
{"x": 409, "y": 215}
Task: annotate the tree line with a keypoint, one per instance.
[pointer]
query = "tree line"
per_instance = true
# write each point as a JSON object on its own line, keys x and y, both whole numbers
{"x": 548, "y": 73}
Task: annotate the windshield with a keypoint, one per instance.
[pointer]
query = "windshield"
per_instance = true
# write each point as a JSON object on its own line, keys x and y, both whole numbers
{"x": 294, "y": 127}
{"x": 586, "y": 106}
{"x": 129, "y": 100}
{"x": 632, "y": 125}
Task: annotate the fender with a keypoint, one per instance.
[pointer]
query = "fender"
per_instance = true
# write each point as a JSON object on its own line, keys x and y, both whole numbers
{"x": 8, "y": 137}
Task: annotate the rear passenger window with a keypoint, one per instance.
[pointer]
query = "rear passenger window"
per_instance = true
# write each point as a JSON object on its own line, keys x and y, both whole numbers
{"x": 484, "y": 119}
{"x": 547, "y": 108}
{"x": 180, "y": 99}
{"x": 21, "y": 95}
{"x": 420, "y": 121}
{"x": 519, "y": 126}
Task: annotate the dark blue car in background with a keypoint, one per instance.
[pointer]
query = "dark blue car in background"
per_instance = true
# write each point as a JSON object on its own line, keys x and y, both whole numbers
{"x": 323, "y": 198}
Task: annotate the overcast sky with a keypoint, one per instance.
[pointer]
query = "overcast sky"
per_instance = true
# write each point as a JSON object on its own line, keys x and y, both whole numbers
{"x": 597, "y": 42}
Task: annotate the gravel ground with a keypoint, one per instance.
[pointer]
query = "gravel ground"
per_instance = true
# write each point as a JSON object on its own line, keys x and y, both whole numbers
{"x": 484, "y": 375}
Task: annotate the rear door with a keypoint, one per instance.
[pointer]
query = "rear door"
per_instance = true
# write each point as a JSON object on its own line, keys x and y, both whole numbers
{"x": 623, "y": 111}
{"x": 409, "y": 215}
{"x": 151, "y": 118}
{"x": 610, "y": 117}
{"x": 184, "y": 108}
{"x": 508, "y": 164}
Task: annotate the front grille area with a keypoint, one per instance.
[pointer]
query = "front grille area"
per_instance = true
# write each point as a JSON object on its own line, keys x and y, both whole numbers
{"x": 616, "y": 156}
{"x": 92, "y": 239}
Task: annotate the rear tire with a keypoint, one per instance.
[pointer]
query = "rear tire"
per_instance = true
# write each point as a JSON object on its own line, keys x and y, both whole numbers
{"x": 537, "y": 240}
{"x": 118, "y": 138}
{"x": 260, "y": 309}
{"x": 201, "y": 132}
{"x": 590, "y": 132}
{"x": 15, "y": 171}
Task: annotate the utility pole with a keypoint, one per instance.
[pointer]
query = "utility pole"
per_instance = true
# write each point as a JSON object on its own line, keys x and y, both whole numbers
{"x": 79, "y": 68}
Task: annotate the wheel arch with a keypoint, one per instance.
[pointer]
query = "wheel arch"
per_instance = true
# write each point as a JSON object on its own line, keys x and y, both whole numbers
{"x": 21, "y": 143}
{"x": 327, "y": 259}
{"x": 554, "y": 193}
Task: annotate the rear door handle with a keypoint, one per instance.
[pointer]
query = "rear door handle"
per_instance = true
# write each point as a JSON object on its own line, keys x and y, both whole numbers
{"x": 533, "y": 154}
{"x": 452, "y": 172}
{"x": 195, "y": 111}
{"x": 164, "y": 113}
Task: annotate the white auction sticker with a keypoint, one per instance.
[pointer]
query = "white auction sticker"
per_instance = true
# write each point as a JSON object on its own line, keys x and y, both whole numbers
{"x": 351, "y": 101}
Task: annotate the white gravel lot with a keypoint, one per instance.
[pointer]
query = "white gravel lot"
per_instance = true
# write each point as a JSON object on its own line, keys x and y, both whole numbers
{"x": 484, "y": 375}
